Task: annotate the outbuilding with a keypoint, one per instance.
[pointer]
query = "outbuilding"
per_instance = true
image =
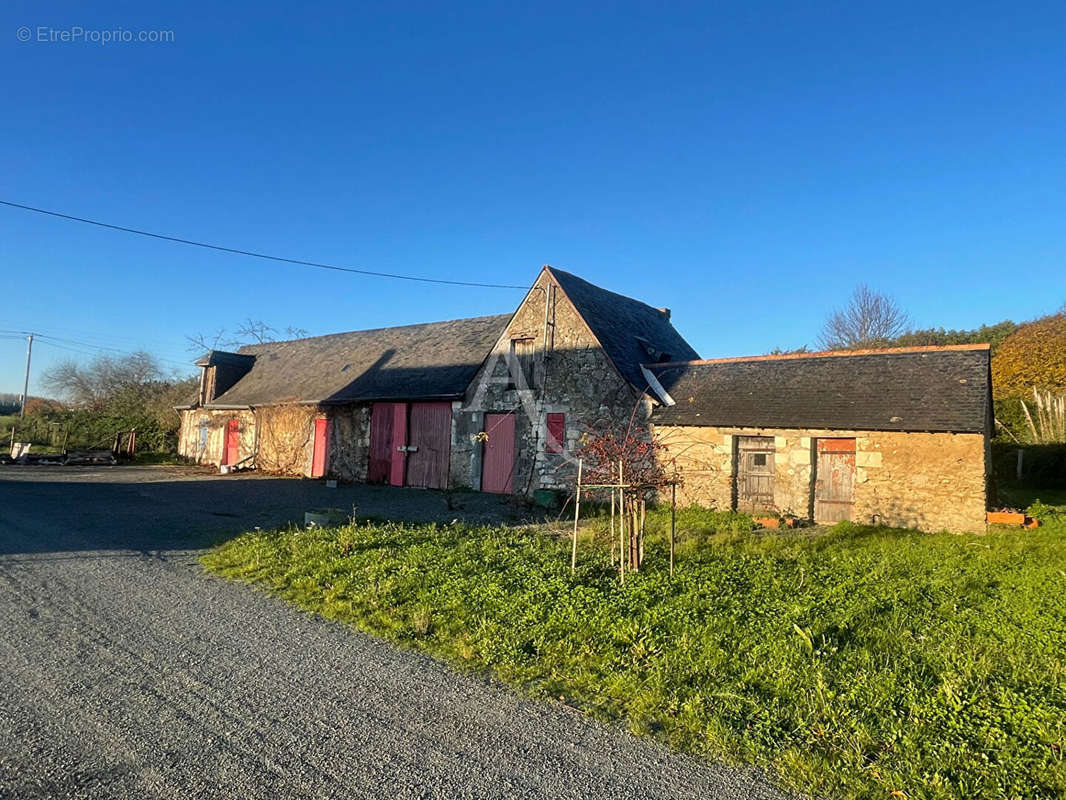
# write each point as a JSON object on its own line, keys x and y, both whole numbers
{"x": 895, "y": 436}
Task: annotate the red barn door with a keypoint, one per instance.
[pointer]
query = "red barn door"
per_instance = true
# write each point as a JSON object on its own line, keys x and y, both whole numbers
{"x": 429, "y": 445}
{"x": 388, "y": 443}
{"x": 398, "y": 445}
{"x": 381, "y": 447}
{"x": 321, "y": 448}
{"x": 232, "y": 447}
{"x": 497, "y": 463}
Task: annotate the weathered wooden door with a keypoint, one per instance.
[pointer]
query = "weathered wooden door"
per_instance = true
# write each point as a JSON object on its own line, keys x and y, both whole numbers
{"x": 834, "y": 484}
{"x": 381, "y": 446}
{"x": 755, "y": 473}
{"x": 497, "y": 463}
{"x": 232, "y": 447}
{"x": 398, "y": 445}
{"x": 429, "y": 441}
{"x": 321, "y": 448}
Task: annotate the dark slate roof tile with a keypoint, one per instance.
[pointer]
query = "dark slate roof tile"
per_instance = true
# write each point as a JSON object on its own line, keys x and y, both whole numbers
{"x": 919, "y": 389}
{"x": 434, "y": 360}
{"x": 621, "y": 323}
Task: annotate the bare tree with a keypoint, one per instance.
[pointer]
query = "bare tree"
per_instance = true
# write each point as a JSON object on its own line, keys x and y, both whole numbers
{"x": 251, "y": 331}
{"x": 96, "y": 383}
{"x": 203, "y": 342}
{"x": 870, "y": 319}
{"x": 256, "y": 331}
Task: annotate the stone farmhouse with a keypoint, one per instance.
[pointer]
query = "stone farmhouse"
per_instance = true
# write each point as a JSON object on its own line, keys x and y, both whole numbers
{"x": 498, "y": 404}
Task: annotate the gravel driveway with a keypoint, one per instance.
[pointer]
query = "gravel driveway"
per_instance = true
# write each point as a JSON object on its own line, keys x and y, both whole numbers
{"x": 125, "y": 671}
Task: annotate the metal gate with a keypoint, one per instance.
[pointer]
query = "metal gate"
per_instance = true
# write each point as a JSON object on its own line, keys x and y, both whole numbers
{"x": 755, "y": 473}
{"x": 834, "y": 485}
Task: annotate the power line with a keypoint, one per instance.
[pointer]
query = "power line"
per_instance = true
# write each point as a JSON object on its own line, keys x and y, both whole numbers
{"x": 253, "y": 254}
{"x": 76, "y": 346}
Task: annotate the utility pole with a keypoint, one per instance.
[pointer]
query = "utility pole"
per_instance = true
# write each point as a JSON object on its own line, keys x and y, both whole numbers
{"x": 26, "y": 383}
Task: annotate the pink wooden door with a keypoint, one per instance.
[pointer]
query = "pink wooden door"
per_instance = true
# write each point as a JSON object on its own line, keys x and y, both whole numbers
{"x": 497, "y": 463}
{"x": 232, "y": 447}
{"x": 382, "y": 449}
{"x": 834, "y": 485}
{"x": 321, "y": 448}
{"x": 398, "y": 445}
{"x": 429, "y": 445}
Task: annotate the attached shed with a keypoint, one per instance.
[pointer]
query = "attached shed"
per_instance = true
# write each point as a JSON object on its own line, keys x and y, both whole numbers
{"x": 896, "y": 436}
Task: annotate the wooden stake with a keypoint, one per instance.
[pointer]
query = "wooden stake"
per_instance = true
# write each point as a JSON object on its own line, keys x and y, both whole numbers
{"x": 622, "y": 555}
{"x": 577, "y": 512}
{"x": 614, "y": 541}
{"x": 673, "y": 521}
{"x": 640, "y": 539}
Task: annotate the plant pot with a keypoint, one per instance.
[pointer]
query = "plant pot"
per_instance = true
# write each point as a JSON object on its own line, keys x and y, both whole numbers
{"x": 768, "y": 522}
{"x": 1005, "y": 518}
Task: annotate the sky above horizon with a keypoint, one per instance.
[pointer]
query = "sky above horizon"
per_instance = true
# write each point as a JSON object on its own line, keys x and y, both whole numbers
{"x": 745, "y": 164}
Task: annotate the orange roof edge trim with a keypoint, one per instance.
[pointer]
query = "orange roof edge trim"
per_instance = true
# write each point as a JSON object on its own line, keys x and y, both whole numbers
{"x": 931, "y": 348}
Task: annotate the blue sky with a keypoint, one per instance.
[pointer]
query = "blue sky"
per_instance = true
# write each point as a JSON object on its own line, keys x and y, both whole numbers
{"x": 744, "y": 164}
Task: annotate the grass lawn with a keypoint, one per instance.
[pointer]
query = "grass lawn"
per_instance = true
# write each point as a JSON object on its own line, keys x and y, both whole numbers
{"x": 851, "y": 662}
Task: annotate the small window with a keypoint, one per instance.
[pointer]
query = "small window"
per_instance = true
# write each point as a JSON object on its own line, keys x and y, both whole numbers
{"x": 555, "y": 441}
{"x": 520, "y": 363}
{"x": 758, "y": 459}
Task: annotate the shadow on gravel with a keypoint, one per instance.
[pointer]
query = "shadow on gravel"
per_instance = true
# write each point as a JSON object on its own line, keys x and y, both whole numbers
{"x": 144, "y": 511}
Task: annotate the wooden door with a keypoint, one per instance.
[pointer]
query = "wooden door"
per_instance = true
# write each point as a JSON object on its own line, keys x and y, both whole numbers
{"x": 755, "y": 473}
{"x": 429, "y": 449}
{"x": 231, "y": 449}
{"x": 834, "y": 485}
{"x": 497, "y": 463}
{"x": 321, "y": 448}
{"x": 398, "y": 445}
{"x": 382, "y": 448}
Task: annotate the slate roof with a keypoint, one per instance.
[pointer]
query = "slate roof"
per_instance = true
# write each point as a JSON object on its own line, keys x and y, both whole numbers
{"x": 216, "y": 357}
{"x": 903, "y": 389}
{"x": 620, "y": 323}
{"x": 435, "y": 360}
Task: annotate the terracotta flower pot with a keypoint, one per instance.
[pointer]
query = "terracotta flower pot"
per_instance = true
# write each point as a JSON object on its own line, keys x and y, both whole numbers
{"x": 1005, "y": 518}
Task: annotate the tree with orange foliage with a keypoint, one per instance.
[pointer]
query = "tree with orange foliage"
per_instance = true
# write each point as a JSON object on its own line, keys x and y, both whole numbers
{"x": 1034, "y": 357}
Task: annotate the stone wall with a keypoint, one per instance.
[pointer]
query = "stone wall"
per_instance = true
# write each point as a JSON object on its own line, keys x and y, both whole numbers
{"x": 571, "y": 375}
{"x": 349, "y": 448}
{"x": 928, "y": 481}
{"x": 190, "y": 445}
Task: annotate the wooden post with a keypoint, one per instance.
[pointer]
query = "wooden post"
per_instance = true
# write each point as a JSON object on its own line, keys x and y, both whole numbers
{"x": 640, "y": 539}
{"x": 673, "y": 521}
{"x": 577, "y": 512}
{"x": 1018, "y": 467}
{"x": 622, "y": 554}
{"x": 614, "y": 542}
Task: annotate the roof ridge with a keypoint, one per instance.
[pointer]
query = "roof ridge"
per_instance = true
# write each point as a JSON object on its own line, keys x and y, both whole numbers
{"x": 930, "y": 348}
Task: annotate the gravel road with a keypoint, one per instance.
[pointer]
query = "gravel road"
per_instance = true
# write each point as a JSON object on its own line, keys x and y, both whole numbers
{"x": 126, "y": 672}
